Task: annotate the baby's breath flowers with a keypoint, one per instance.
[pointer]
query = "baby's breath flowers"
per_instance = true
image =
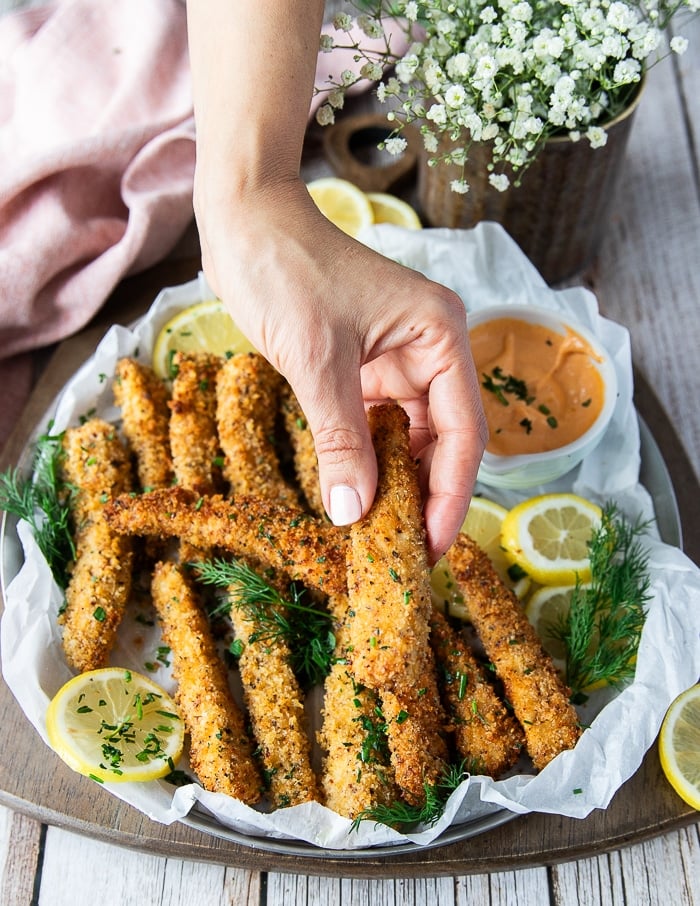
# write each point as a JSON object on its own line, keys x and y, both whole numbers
{"x": 509, "y": 72}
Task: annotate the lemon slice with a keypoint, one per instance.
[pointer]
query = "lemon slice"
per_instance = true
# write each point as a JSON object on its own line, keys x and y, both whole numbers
{"x": 390, "y": 209}
{"x": 342, "y": 203}
{"x": 679, "y": 746}
{"x": 548, "y": 607}
{"x": 548, "y": 537}
{"x": 203, "y": 327}
{"x": 115, "y": 725}
{"x": 483, "y": 525}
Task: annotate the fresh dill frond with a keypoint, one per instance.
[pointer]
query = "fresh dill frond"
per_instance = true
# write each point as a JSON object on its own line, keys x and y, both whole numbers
{"x": 603, "y": 627}
{"x": 306, "y": 630}
{"x": 42, "y": 499}
{"x": 403, "y": 817}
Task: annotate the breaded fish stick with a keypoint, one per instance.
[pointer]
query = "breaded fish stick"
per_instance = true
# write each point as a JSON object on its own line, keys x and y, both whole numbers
{"x": 247, "y": 397}
{"x": 97, "y": 464}
{"x": 305, "y": 459}
{"x": 390, "y": 606}
{"x": 143, "y": 400}
{"x": 356, "y": 773}
{"x": 221, "y": 752}
{"x": 247, "y": 393}
{"x": 256, "y": 530}
{"x": 388, "y": 576}
{"x": 276, "y": 709}
{"x": 486, "y": 735}
{"x": 532, "y": 684}
{"x": 193, "y": 433}
{"x": 415, "y": 727}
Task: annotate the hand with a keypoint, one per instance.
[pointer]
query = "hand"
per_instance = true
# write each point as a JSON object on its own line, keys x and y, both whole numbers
{"x": 348, "y": 328}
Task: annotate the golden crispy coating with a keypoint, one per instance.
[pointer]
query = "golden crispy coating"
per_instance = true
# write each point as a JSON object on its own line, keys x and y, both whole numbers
{"x": 275, "y": 706}
{"x": 388, "y": 575}
{"x": 257, "y": 530}
{"x": 390, "y": 606}
{"x": 193, "y": 434}
{"x": 486, "y": 735}
{"x": 356, "y": 774}
{"x": 143, "y": 400}
{"x": 415, "y": 723}
{"x": 220, "y": 749}
{"x": 247, "y": 401}
{"x": 532, "y": 684}
{"x": 305, "y": 459}
{"x": 97, "y": 464}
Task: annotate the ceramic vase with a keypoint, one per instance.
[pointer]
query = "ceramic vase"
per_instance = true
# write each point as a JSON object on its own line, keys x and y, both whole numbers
{"x": 559, "y": 212}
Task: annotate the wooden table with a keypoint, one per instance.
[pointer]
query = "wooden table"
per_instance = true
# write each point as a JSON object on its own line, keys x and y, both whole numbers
{"x": 58, "y": 832}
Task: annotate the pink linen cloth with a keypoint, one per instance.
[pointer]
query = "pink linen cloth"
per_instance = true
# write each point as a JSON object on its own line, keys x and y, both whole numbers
{"x": 97, "y": 151}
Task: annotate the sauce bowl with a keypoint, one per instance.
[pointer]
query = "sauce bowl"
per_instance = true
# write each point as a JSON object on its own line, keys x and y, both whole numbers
{"x": 504, "y": 392}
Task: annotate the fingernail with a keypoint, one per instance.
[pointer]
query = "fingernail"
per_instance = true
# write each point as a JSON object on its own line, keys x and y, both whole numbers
{"x": 345, "y": 505}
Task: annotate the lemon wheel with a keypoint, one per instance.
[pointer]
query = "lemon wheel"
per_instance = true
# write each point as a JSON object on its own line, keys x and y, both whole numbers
{"x": 115, "y": 725}
{"x": 548, "y": 537}
{"x": 679, "y": 746}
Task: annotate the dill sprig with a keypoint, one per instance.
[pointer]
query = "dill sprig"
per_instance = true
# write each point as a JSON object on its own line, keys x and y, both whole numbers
{"x": 402, "y": 816}
{"x": 306, "y": 629}
{"x": 603, "y": 627}
{"x": 42, "y": 499}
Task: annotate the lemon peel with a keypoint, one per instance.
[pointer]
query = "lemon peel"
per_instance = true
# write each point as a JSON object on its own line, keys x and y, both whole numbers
{"x": 388, "y": 208}
{"x": 679, "y": 746}
{"x": 342, "y": 202}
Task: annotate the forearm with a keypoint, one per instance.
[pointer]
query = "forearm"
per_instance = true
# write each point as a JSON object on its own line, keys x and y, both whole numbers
{"x": 253, "y": 64}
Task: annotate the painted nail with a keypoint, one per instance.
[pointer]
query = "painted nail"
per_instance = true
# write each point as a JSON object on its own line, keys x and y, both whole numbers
{"x": 345, "y": 505}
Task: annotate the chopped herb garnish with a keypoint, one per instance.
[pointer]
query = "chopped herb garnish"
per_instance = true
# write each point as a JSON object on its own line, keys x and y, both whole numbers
{"x": 402, "y": 816}
{"x": 306, "y": 629}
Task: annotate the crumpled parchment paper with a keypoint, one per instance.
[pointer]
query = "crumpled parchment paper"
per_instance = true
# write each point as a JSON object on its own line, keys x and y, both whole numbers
{"x": 484, "y": 267}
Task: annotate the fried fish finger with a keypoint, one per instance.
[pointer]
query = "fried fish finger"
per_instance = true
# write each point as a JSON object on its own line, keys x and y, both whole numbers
{"x": 276, "y": 709}
{"x": 221, "y": 752}
{"x": 415, "y": 723}
{"x": 356, "y": 774}
{"x": 247, "y": 392}
{"x": 247, "y": 399}
{"x": 143, "y": 400}
{"x": 304, "y": 450}
{"x": 390, "y": 606}
{"x": 388, "y": 575}
{"x": 486, "y": 735}
{"x": 532, "y": 684}
{"x": 193, "y": 432}
{"x": 97, "y": 464}
{"x": 258, "y": 531}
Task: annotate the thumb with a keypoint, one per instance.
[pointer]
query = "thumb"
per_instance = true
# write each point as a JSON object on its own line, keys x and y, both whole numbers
{"x": 347, "y": 463}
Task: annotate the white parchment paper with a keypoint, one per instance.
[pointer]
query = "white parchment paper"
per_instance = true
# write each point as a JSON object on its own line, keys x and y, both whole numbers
{"x": 486, "y": 268}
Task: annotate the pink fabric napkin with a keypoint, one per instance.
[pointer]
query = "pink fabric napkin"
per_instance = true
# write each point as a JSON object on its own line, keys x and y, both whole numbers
{"x": 97, "y": 151}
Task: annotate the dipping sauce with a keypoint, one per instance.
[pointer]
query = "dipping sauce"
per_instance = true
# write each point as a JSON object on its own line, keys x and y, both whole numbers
{"x": 540, "y": 389}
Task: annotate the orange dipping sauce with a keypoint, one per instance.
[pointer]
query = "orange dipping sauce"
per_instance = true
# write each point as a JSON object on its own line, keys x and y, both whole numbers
{"x": 540, "y": 389}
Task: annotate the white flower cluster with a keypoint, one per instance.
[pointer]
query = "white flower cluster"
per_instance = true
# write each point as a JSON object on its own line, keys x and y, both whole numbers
{"x": 511, "y": 72}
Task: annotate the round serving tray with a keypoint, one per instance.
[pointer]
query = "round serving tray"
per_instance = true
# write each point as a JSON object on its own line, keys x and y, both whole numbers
{"x": 644, "y": 807}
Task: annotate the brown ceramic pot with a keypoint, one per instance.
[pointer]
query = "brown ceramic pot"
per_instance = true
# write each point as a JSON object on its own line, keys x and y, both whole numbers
{"x": 559, "y": 213}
